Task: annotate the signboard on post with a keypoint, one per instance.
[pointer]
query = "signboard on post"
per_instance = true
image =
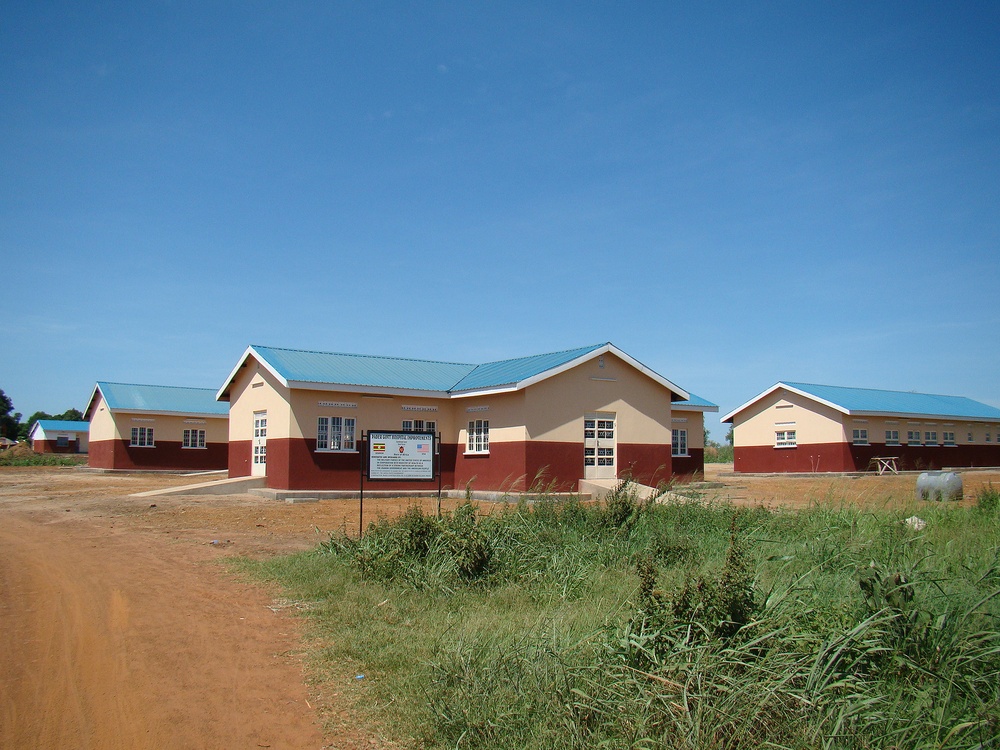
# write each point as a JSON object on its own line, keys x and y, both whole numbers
{"x": 400, "y": 455}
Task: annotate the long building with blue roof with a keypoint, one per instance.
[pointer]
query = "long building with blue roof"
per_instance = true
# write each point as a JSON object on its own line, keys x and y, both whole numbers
{"x": 301, "y": 418}
{"x": 59, "y": 436}
{"x": 806, "y": 427}
{"x": 157, "y": 427}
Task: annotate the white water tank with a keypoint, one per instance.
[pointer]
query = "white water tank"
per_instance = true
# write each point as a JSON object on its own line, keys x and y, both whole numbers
{"x": 939, "y": 485}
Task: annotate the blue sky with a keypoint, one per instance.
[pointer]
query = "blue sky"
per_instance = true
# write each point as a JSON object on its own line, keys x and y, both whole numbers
{"x": 733, "y": 193}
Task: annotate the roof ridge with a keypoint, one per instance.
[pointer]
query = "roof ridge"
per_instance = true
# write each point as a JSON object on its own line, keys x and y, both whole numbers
{"x": 154, "y": 385}
{"x": 366, "y": 356}
{"x": 543, "y": 354}
{"x": 877, "y": 390}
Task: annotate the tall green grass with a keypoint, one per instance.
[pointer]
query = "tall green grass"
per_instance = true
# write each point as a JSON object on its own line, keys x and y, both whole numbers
{"x": 638, "y": 625}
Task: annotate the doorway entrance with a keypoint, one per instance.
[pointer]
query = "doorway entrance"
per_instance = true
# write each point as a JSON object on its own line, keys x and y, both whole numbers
{"x": 599, "y": 446}
{"x": 259, "y": 466}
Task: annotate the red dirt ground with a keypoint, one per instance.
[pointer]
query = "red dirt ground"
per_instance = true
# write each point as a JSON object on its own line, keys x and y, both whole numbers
{"x": 120, "y": 630}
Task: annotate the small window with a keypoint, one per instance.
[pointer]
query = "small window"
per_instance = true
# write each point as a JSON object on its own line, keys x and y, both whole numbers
{"x": 892, "y": 437}
{"x": 193, "y": 439}
{"x": 419, "y": 425}
{"x": 605, "y": 429}
{"x": 972, "y": 438}
{"x": 930, "y": 438}
{"x": 860, "y": 437}
{"x": 784, "y": 439}
{"x": 913, "y": 437}
{"x": 478, "y": 439}
{"x": 590, "y": 456}
{"x": 679, "y": 443}
{"x": 142, "y": 437}
{"x": 987, "y": 437}
{"x": 589, "y": 428}
{"x": 335, "y": 433}
{"x": 949, "y": 438}
{"x": 62, "y": 441}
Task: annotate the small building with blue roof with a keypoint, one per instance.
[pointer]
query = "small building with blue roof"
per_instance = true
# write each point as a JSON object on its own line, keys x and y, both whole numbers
{"x": 299, "y": 418}
{"x": 804, "y": 427}
{"x": 157, "y": 427}
{"x": 59, "y": 436}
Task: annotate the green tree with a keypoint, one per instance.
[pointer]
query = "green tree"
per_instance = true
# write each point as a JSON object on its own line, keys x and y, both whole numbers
{"x": 9, "y": 423}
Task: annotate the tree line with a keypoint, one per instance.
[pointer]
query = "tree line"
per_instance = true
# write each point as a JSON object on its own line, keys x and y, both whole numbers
{"x": 12, "y": 427}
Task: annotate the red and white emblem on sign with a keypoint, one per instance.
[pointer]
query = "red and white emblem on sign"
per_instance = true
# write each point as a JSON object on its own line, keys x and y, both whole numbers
{"x": 401, "y": 449}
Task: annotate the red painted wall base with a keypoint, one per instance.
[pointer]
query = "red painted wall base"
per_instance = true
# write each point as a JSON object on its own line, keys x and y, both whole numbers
{"x": 515, "y": 467}
{"x": 847, "y": 457}
{"x": 165, "y": 456}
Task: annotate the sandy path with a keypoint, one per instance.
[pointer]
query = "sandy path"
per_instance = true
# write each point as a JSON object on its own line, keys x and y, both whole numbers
{"x": 111, "y": 642}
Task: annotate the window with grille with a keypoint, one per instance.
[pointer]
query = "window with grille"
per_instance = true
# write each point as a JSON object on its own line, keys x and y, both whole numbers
{"x": 679, "y": 443}
{"x": 335, "y": 433}
{"x": 193, "y": 439}
{"x": 142, "y": 437}
{"x": 785, "y": 439}
{"x": 478, "y": 439}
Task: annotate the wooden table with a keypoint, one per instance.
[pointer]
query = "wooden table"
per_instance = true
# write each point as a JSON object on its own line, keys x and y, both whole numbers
{"x": 885, "y": 464}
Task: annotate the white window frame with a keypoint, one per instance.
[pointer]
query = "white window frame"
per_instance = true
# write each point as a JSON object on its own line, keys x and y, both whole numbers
{"x": 930, "y": 437}
{"x": 193, "y": 438}
{"x": 913, "y": 437}
{"x": 679, "y": 443}
{"x": 336, "y": 434}
{"x": 477, "y": 440}
{"x": 948, "y": 438}
{"x": 785, "y": 439}
{"x": 142, "y": 437}
{"x": 892, "y": 437}
{"x": 419, "y": 425}
{"x": 859, "y": 437}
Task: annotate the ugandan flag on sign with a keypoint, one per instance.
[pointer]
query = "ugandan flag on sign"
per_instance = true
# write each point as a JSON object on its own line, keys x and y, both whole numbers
{"x": 378, "y": 447}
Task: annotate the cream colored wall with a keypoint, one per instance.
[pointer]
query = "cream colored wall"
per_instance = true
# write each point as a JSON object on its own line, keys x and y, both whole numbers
{"x": 370, "y": 412}
{"x": 171, "y": 428}
{"x": 695, "y": 426}
{"x": 555, "y": 407}
{"x": 102, "y": 423}
{"x": 813, "y": 422}
{"x": 245, "y": 399}
{"x": 505, "y": 412}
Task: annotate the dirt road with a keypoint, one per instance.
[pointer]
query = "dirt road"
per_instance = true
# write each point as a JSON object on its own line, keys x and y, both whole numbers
{"x": 119, "y": 627}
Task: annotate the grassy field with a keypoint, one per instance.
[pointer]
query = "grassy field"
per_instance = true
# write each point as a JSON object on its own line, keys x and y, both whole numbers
{"x": 632, "y": 625}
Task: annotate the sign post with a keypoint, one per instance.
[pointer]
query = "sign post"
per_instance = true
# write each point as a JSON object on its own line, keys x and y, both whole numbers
{"x": 397, "y": 456}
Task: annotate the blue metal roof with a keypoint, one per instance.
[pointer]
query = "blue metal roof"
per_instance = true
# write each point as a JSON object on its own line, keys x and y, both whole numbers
{"x": 296, "y": 367}
{"x": 363, "y": 370}
{"x": 695, "y": 401}
{"x": 869, "y": 400}
{"x": 511, "y": 371}
{"x": 63, "y": 425}
{"x": 162, "y": 398}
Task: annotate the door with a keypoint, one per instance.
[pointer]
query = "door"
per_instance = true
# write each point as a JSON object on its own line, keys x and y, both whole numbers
{"x": 259, "y": 467}
{"x": 599, "y": 452}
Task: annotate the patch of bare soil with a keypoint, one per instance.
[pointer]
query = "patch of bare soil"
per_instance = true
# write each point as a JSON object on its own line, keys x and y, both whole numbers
{"x": 117, "y": 629}
{"x": 800, "y": 491}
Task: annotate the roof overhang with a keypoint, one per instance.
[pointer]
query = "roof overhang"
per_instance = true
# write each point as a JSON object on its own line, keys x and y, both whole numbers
{"x": 782, "y": 386}
{"x": 92, "y": 402}
{"x": 848, "y": 412}
{"x": 694, "y": 407}
{"x": 223, "y": 393}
